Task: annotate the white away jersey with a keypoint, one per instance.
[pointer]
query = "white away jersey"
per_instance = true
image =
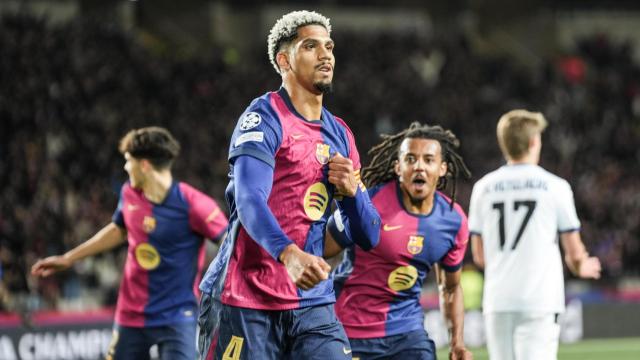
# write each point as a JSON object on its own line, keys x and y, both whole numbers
{"x": 519, "y": 210}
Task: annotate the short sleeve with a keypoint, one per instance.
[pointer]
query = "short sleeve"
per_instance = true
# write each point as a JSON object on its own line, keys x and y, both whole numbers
{"x": 452, "y": 261}
{"x": 118, "y": 217}
{"x": 258, "y": 133}
{"x": 205, "y": 216}
{"x": 566, "y": 210}
{"x": 475, "y": 213}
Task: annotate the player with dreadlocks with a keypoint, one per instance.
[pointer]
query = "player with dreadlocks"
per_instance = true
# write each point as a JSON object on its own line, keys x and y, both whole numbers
{"x": 378, "y": 301}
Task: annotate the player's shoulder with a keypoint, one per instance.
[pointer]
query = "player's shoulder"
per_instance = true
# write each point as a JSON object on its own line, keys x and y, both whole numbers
{"x": 188, "y": 189}
{"x": 190, "y": 194}
{"x": 382, "y": 190}
{"x": 259, "y": 110}
{"x": 340, "y": 123}
{"x": 555, "y": 181}
{"x": 487, "y": 179}
{"x": 444, "y": 202}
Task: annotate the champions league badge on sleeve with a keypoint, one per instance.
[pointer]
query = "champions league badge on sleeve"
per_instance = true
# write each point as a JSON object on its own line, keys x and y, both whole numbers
{"x": 250, "y": 120}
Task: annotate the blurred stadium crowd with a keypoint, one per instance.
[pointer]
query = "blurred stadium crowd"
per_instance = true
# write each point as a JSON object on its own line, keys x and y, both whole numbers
{"x": 68, "y": 93}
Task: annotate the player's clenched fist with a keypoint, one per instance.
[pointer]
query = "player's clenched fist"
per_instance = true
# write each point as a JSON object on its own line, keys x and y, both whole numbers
{"x": 460, "y": 353}
{"x": 304, "y": 269}
{"x": 341, "y": 175}
{"x": 590, "y": 268}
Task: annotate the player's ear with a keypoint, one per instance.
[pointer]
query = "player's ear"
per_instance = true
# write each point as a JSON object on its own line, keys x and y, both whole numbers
{"x": 443, "y": 169}
{"x": 145, "y": 165}
{"x": 282, "y": 59}
{"x": 396, "y": 166}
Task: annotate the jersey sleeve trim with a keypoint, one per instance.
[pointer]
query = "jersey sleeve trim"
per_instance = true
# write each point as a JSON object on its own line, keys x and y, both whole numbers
{"x": 471, "y": 232}
{"x": 117, "y": 217}
{"x": 568, "y": 230}
{"x": 451, "y": 268}
{"x": 260, "y": 155}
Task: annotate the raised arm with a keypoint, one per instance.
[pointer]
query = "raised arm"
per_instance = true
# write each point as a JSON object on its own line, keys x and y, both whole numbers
{"x": 107, "y": 238}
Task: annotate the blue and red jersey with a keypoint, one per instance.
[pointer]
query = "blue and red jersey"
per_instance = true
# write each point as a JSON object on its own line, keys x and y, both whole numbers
{"x": 380, "y": 296}
{"x": 165, "y": 253}
{"x": 245, "y": 274}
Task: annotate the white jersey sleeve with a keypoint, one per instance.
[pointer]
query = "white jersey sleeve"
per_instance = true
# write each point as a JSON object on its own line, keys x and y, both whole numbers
{"x": 475, "y": 213}
{"x": 567, "y": 216}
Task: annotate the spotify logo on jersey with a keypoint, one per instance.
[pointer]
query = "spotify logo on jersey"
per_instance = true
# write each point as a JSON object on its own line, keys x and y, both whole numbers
{"x": 402, "y": 278}
{"x": 315, "y": 201}
{"x": 147, "y": 256}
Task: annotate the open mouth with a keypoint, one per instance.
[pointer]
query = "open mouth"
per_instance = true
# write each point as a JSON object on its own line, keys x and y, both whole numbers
{"x": 325, "y": 68}
{"x": 419, "y": 184}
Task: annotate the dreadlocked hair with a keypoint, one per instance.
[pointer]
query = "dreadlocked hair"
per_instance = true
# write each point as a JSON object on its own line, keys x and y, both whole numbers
{"x": 381, "y": 169}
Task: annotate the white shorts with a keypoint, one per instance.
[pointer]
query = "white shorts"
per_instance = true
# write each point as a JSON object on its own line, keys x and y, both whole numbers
{"x": 522, "y": 336}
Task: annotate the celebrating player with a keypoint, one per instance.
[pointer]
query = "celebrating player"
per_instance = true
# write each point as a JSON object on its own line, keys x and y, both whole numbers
{"x": 267, "y": 294}
{"x": 164, "y": 222}
{"x": 515, "y": 216}
{"x": 378, "y": 303}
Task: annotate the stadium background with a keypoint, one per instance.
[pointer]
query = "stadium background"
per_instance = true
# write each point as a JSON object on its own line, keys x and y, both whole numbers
{"x": 76, "y": 74}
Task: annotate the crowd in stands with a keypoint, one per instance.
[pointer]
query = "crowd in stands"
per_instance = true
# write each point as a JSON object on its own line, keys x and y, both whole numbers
{"x": 69, "y": 92}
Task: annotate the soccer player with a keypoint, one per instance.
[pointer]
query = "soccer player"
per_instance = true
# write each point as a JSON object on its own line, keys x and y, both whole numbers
{"x": 516, "y": 215}
{"x": 379, "y": 299}
{"x": 267, "y": 294}
{"x": 164, "y": 222}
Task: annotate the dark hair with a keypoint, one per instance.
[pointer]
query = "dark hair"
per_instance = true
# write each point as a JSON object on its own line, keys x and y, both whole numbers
{"x": 381, "y": 169}
{"x": 153, "y": 143}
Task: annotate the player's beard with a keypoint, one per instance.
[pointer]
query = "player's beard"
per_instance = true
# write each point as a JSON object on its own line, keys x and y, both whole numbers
{"x": 323, "y": 87}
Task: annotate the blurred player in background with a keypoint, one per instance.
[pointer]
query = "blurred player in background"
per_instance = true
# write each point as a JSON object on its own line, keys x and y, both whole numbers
{"x": 516, "y": 215}
{"x": 164, "y": 223}
{"x": 379, "y": 299}
{"x": 289, "y": 156}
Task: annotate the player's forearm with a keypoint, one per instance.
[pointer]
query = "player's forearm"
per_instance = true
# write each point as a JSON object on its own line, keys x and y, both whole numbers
{"x": 573, "y": 263}
{"x": 452, "y": 307}
{"x": 477, "y": 250}
{"x": 107, "y": 238}
{"x": 575, "y": 251}
{"x": 363, "y": 219}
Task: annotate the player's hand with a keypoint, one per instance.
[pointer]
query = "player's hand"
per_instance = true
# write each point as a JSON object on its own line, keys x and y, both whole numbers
{"x": 590, "y": 268}
{"x": 460, "y": 353}
{"x": 48, "y": 266}
{"x": 304, "y": 269}
{"x": 342, "y": 176}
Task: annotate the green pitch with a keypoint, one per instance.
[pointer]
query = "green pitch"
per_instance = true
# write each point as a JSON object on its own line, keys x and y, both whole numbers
{"x": 601, "y": 349}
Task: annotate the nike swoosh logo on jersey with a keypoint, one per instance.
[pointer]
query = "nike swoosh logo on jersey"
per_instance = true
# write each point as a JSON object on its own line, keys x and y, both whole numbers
{"x": 132, "y": 207}
{"x": 388, "y": 227}
{"x": 346, "y": 351}
{"x": 297, "y": 136}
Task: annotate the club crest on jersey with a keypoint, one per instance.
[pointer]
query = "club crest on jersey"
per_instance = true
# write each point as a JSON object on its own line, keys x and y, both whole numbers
{"x": 148, "y": 224}
{"x": 315, "y": 201}
{"x": 402, "y": 278}
{"x": 147, "y": 256}
{"x": 415, "y": 244}
{"x": 250, "y": 120}
{"x": 322, "y": 153}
